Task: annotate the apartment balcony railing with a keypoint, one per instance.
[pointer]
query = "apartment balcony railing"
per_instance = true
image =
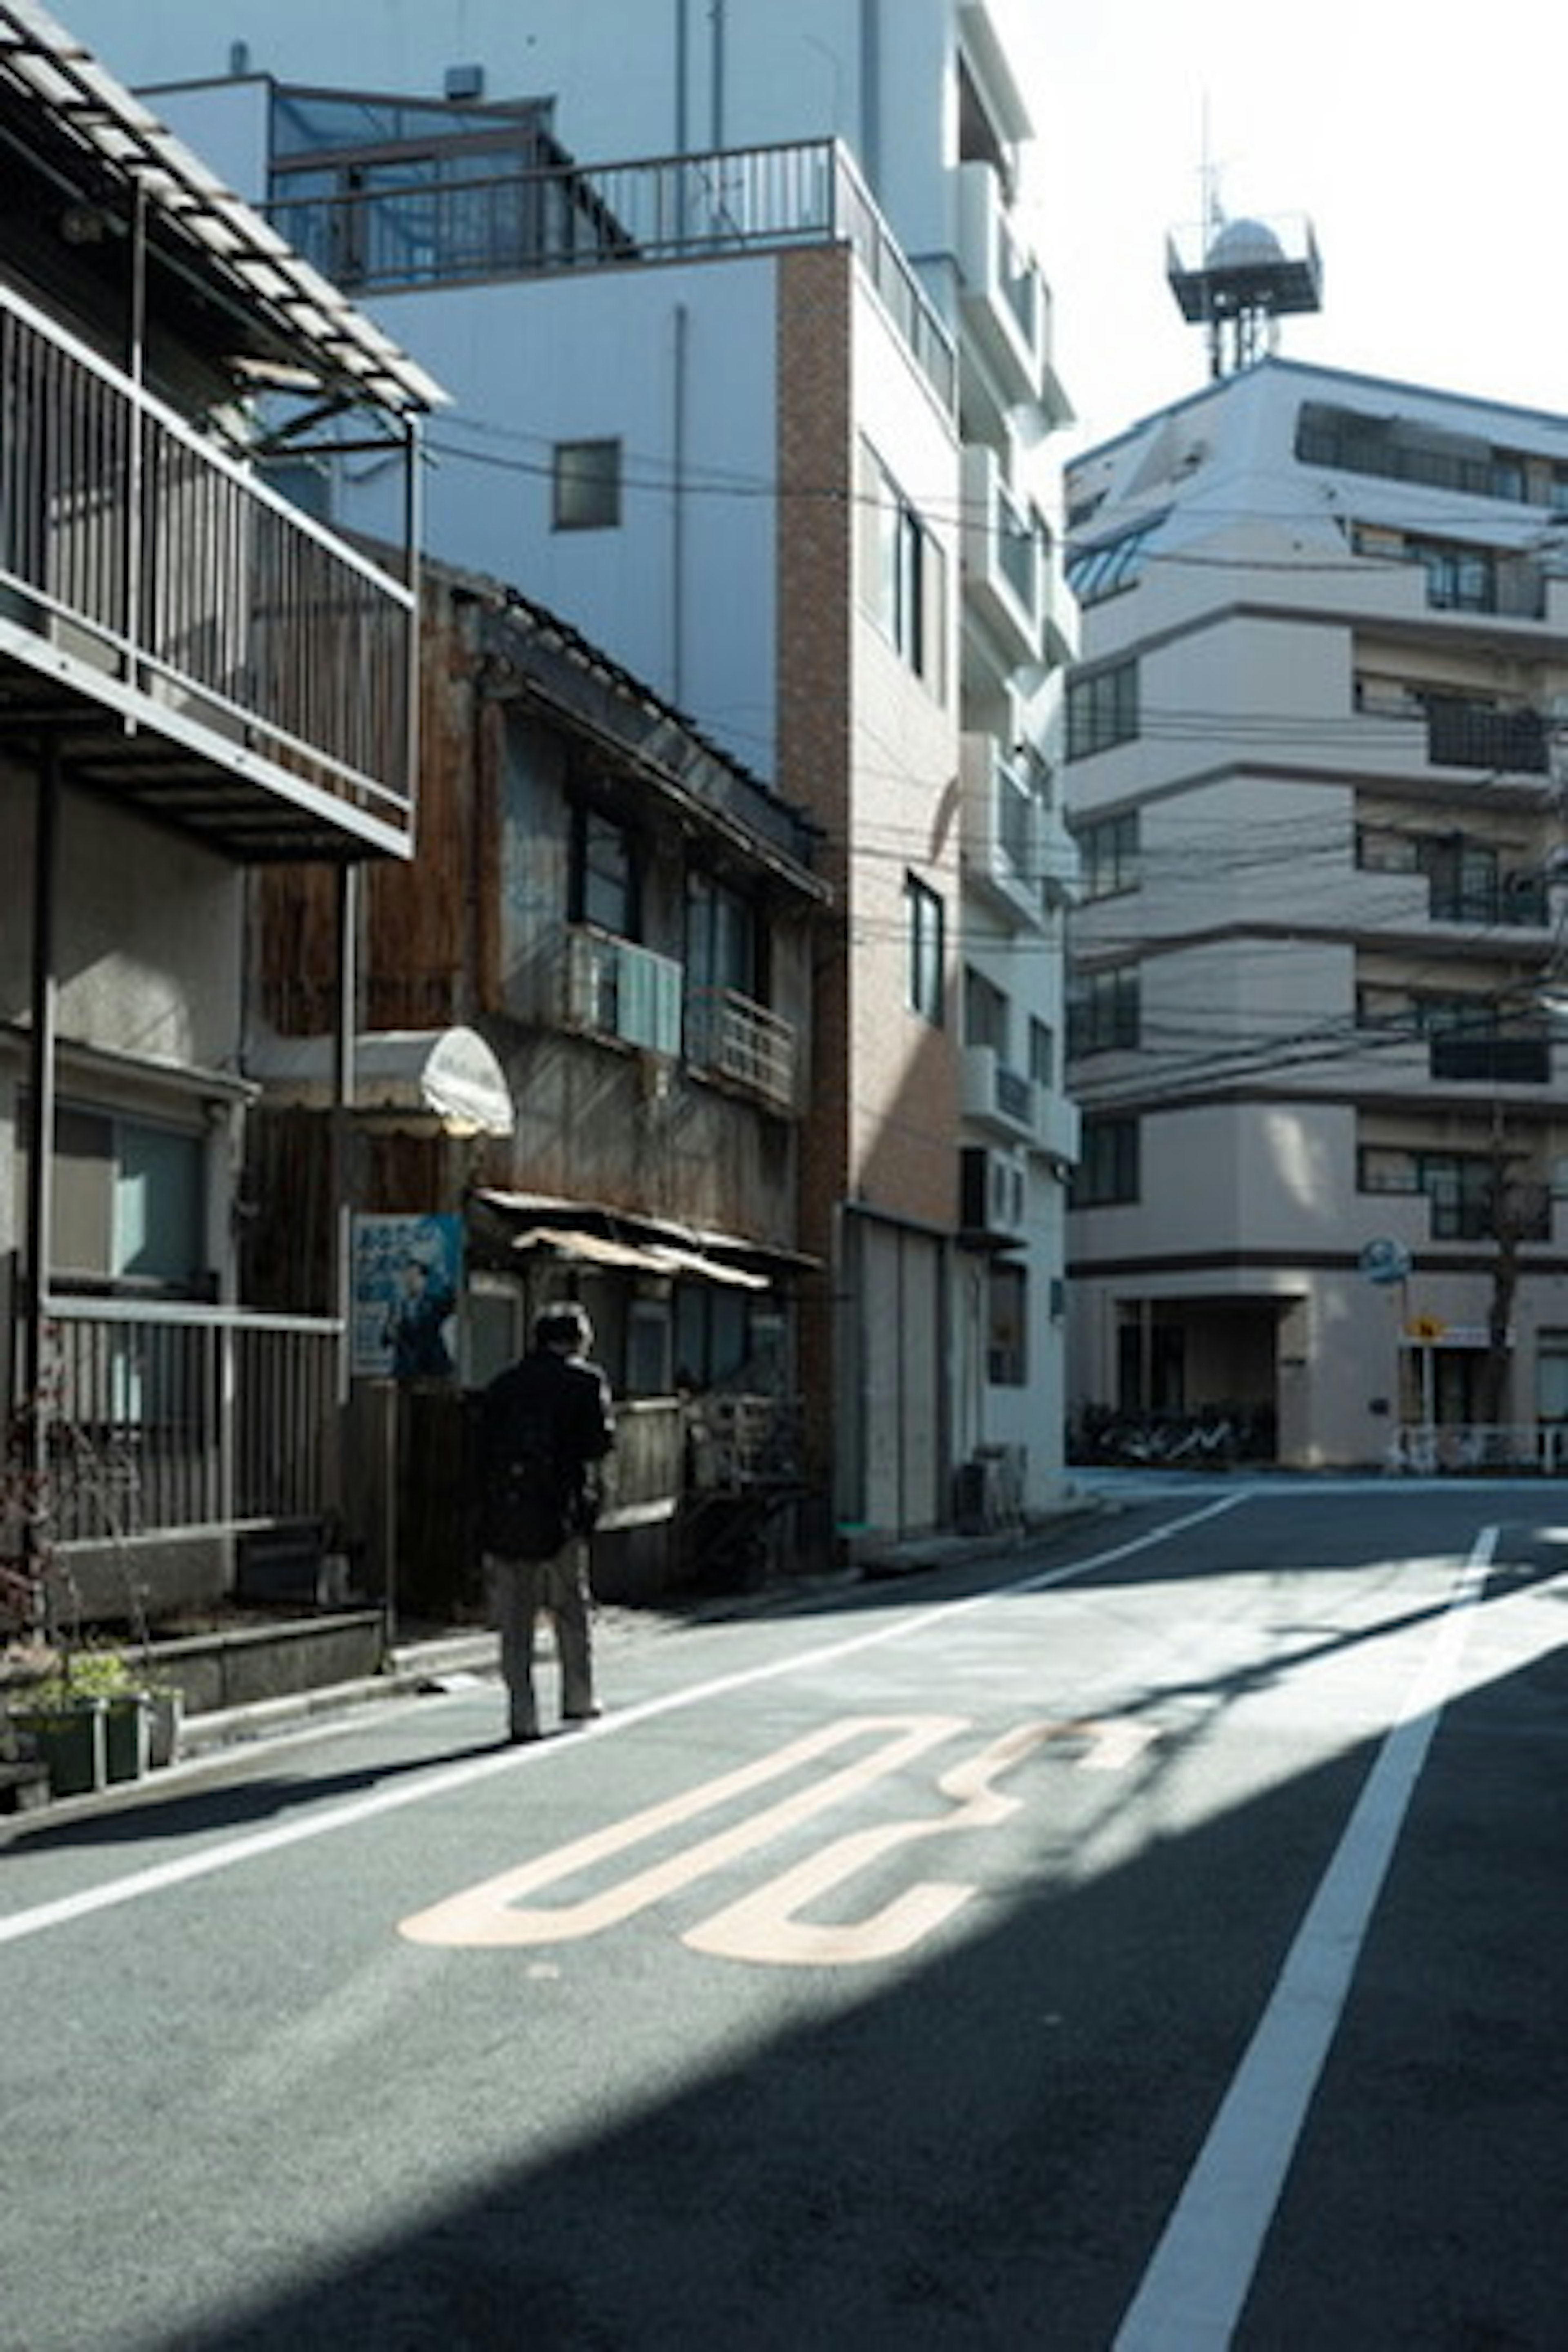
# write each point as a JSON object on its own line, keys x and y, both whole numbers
{"x": 1000, "y": 547}
{"x": 1000, "y": 829}
{"x": 1478, "y": 735}
{"x": 1005, "y": 301}
{"x": 177, "y": 1420}
{"x": 586, "y": 215}
{"x": 997, "y": 1098}
{"x": 214, "y": 653}
{"x": 615, "y": 989}
{"x": 744, "y": 1043}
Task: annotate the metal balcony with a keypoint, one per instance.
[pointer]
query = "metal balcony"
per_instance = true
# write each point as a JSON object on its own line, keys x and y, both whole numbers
{"x": 999, "y": 1100}
{"x": 744, "y": 1043}
{"x": 617, "y": 989}
{"x": 201, "y": 649}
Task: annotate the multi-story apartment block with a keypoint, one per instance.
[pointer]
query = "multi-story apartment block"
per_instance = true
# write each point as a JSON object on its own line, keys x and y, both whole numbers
{"x": 1315, "y": 776}
{"x": 752, "y": 367}
{"x": 196, "y": 681}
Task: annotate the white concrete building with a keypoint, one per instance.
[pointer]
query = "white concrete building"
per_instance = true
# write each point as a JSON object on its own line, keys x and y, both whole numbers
{"x": 1314, "y": 774}
{"x": 814, "y": 514}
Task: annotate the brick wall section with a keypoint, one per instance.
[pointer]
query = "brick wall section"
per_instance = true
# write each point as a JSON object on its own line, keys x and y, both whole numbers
{"x": 816, "y": 541}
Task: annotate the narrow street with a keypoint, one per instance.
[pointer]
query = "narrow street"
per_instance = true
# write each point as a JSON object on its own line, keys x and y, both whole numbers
{"x": 1149, "y": 1938}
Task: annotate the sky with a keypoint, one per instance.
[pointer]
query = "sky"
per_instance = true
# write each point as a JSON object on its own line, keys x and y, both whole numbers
{"x": 1427, "y": 146}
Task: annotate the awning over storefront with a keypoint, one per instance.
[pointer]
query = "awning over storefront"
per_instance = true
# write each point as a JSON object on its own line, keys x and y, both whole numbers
{"x": 449, "y": 1076}
{"x": 595, "y": 1249}
{"x": 593, "y": 1234}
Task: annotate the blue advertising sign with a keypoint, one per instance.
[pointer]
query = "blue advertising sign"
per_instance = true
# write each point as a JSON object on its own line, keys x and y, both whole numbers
{"x": 407, "y": 1274}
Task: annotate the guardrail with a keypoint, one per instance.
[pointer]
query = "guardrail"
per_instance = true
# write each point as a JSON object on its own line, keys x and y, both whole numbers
{"x": 1428, "y": 1449}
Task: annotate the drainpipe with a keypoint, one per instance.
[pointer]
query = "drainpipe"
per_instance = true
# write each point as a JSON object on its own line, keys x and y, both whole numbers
{"x": 682, "y": 72}
{"x": 677, "y": 508}
{"x": 716, "y": 15}
{"x": 35, "y": 1282}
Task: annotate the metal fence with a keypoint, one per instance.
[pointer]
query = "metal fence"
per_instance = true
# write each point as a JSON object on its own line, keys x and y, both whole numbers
{"x": 141, "y": 551}
{"x": 174, "y": 1419}
{"x": 1429, "y": 1449}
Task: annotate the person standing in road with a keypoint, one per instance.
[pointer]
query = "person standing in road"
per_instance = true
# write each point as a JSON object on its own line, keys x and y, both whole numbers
{"x": 546, "y": 1425}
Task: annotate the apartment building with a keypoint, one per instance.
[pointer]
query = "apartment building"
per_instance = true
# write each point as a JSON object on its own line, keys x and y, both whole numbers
{"x": 1315, "y": 773}
{"x": 196, "y": 682}
{"x": 753, "y": 376}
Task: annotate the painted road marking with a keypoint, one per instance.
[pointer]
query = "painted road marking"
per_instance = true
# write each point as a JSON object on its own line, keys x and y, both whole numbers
{"x": 764, "y": 1926}
{"x": 228, "y": 1853}
{"x": 1202, "y": 2271}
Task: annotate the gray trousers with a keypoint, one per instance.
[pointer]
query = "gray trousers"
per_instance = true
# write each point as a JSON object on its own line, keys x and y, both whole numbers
{"x": 558, "y": 1586}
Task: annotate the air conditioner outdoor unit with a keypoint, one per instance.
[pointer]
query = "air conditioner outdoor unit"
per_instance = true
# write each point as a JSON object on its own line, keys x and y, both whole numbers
{"x": 995, "y": 1190}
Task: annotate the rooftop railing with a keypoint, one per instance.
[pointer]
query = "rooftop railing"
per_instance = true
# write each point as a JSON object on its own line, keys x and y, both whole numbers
{"x": 135, "y": 552}
{"x": 560, "y": 216}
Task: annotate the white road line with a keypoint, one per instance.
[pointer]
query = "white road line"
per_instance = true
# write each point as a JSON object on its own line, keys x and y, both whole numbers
{"x": 160, "y": 1876}
{"x": 1202, "y": 2271}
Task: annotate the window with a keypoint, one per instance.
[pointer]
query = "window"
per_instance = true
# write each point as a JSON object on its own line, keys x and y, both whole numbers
{"x": 1099, "y": 572}
{"x": 925, "y": 919}
{"x": 129, "y": 1202}
{"x": 1007, "y": 1353}
{"x": 1104, "y": 1011}
{"x": 903, "y": 574}
{"x": 1042, "y": 1069}
{"x": 1108, "y": 852}
{"x": 606, "y": 883}
{"x": 1102, "y": 710}
{"x": 724, "y": 942}
{"x": 586, "y": 478}
{"x": 1108, "y": 1171}
{"x": 1459, "y": 578}
{"x": 1459, "y": 1187}
{"x": 985, "y": 1012}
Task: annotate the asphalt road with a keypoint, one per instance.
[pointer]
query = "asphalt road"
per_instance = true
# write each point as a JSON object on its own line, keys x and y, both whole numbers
{"x": 1153, "y": 1940}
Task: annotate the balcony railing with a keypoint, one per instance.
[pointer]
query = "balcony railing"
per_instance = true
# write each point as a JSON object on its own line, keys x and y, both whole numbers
{"x": 615, "y": 989}
{"x": 585, "y": 216}
{"x": 166, "y": 1419}
{"x": 997, "y": 1098}
{"x": 158, "y": 577}
{"x": 736, "y": 1039}
{"x": 1001, "y": 547}
{"x": 1006, "y": 299}
{"x": 1478, "y": 735}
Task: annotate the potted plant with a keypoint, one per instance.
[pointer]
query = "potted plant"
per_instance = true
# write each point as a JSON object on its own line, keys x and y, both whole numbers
{"x": 89, "y": 1721}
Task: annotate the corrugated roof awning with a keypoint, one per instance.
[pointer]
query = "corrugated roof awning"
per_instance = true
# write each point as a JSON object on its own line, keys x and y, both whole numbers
{"x": 642, "y": 1257}
{"x": 235, "y": 246}
{"x": 608, "y": 1236}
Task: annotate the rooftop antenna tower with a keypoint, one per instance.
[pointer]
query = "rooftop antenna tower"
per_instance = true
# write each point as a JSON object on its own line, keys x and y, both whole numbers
{"x": 1238, "y": 278}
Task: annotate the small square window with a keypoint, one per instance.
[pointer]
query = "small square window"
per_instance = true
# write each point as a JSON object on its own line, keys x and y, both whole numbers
{"x": 588, "y": 485}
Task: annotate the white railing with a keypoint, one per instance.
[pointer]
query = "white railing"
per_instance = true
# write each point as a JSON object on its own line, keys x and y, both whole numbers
{"x": 615, "y": 989}
{"x": 1429, "y": 1449}
{"x": 736, "y": 1039}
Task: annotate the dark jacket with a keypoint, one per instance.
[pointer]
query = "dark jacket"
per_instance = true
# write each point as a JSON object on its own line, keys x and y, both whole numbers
{"x": 545, "y": 1422}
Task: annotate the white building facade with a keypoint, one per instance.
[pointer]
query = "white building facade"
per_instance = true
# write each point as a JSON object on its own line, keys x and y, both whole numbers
{"x": 818, "y": 522}
{"x": 1314, "y": 774}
